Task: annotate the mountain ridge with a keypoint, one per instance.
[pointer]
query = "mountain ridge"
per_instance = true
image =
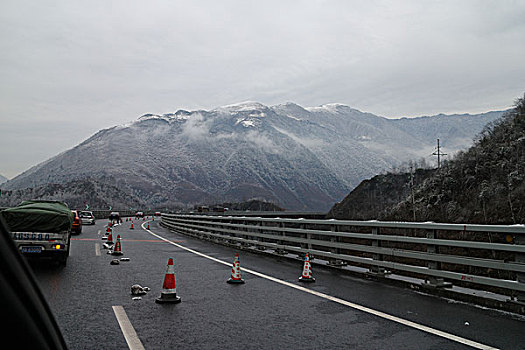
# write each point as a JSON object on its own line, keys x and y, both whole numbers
{"x": 298, "y": 158}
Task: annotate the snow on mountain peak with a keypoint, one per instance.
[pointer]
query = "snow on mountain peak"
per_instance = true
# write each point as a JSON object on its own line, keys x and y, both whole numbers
{"x": 150, "y": 116}
{"x": 242, "y": 107}
{"x": 166, "y": 117}
{"x": 329, "y": 107}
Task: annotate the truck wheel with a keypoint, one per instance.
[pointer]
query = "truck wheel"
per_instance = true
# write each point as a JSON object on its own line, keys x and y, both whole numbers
{"x": 62, "y": 259}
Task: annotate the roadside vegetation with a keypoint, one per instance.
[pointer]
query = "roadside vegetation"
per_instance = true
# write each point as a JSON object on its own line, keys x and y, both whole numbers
{"x": 484, "y": 184}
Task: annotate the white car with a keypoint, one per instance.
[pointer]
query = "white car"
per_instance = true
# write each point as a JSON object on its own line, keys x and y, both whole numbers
{"x": 87, "y": 217}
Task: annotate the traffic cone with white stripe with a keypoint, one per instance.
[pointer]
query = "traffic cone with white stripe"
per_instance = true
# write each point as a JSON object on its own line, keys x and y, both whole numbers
{"x": 147, "y": 227}
{"x": 109, "y": 240}
{"x": 131, "y": 227}
{"x": 236, "y": 271}
{"x": 118, "y": 248}
{"x": 307, "y": 271}
{"x": 169, "y": 290}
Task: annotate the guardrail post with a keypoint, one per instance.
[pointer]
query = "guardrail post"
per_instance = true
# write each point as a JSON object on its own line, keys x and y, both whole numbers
{"x": 378, "y": 271}
{"x": 520, "y": 276}
{"x": 335, "y": 239}
{"x": 217, "y": 239}
{"x": 281, "y": 251}
{"x": 232, "y": 242}
{"x": 260, "y": 247}
{"x": 431, "y": 281}
{"x": 303, "y": 245}
{"x": 243, "y": 243}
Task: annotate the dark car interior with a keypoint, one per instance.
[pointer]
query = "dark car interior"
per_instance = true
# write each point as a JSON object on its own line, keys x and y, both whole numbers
{"x": 26, "y": 320}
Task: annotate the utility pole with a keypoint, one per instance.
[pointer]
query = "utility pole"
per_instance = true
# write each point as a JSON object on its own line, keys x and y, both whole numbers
{"x": 439, "y": 154}
{"x": 412, "y": 192}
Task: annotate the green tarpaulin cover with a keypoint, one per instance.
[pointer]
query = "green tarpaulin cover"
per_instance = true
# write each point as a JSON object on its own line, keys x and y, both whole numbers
{"x": 39, "y": 216}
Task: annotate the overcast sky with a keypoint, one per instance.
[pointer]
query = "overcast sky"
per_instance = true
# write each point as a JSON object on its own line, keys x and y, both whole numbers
{"x": 71, "y": 68}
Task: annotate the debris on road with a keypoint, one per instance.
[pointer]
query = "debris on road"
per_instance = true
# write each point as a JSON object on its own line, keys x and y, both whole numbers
{"x": 137, "y": 289}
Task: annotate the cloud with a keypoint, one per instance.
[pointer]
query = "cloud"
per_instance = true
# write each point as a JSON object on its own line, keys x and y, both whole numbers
{"x": 196, "y": 128}
{"x": 261, "y": 141}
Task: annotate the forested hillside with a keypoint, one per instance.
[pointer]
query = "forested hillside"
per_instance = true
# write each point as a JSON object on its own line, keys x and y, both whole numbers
{"x": 484, "y": 184}
{"x": 375, "y": 197}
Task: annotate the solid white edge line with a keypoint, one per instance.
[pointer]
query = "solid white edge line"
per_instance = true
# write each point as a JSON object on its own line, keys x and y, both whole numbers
{"x": 128, "y": 331}
{"x": 340, "y": 301}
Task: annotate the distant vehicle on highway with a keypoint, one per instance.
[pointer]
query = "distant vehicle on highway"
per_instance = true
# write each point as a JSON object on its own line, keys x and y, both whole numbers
{"x": 115, "y": 215}
{"x": 139, "y": 214}
{"x": 41, "y": 228}
{"x": 87, "y": 217}
{"x": 202, "y": 208}
{"x": 218, "y": 209}
{"x": 157, "y": 213}
{"x": 77, "y": 223}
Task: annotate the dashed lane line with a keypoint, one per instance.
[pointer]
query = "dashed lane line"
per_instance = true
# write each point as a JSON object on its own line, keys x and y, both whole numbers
{"x": 128, "y": 331}
{"x": 339, "y": 300}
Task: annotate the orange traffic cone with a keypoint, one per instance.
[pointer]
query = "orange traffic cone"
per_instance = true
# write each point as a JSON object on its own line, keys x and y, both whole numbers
{"x": 147, "y": 227}
{"x": 105, "y": 235}
{"x": 131, "y": 227}
{"x": 236, "y": 271}
{"x": 169, "y": 290}
{"x": 109, "y": 240}
{"x": 307, "y": 271}
{"x": 118, "y": 248}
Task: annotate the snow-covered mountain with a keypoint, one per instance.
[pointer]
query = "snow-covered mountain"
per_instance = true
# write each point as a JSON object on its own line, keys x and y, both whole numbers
{"x": 300, "y": 158}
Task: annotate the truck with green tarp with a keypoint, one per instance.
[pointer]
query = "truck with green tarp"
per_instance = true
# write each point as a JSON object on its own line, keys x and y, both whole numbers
{"x": 41, "y": 228}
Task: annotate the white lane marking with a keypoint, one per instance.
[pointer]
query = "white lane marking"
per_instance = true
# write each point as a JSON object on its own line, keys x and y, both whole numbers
{"x": 97, "y": 249}
{"x": 130, "y": 335}
{"x": 341, "y": 301}
{"x": 98, "y": 233}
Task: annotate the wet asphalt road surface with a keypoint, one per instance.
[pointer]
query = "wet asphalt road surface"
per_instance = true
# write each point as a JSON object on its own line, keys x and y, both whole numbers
{"x": 260, "y": 314}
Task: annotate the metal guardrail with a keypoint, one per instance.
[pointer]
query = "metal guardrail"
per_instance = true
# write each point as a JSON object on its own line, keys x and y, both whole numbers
{"x": 440, "y": 252}
{"x": 104, "y": 214}
{"x": 267, "y": 214}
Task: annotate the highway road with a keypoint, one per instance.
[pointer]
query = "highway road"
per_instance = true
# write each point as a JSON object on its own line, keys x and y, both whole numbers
{"x": 94, "y": 308}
